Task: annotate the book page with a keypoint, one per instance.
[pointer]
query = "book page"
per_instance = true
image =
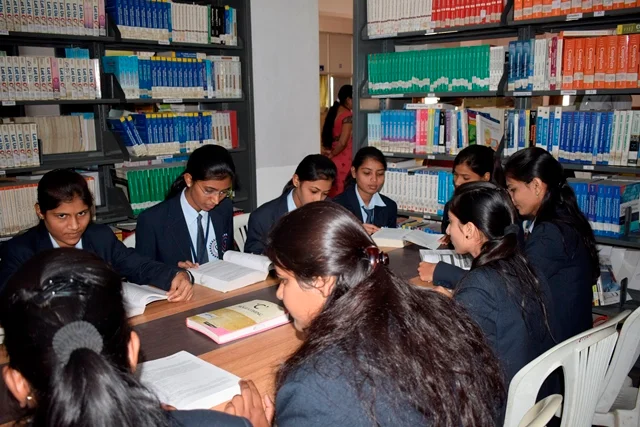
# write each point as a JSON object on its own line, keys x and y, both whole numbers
{"x": 222, "y": 271}
{"x": 448, "y": 256}
{"x": 136, "y": 297}
{"x": 256, "y": 262}
{"x": 426, "y": 240}
{"x": 187, "y": 382}
{"x": 390, "y": 233}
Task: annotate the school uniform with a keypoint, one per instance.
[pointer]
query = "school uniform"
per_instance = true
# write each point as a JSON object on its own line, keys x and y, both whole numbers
{"x": 516, "y": 339}
{"x": 263, "y": 219}
{"x": 381, "y": 211}
{"x": 168, "y": 232}
{"x": 205, "y": 418}
{"x": 98, "y": 239}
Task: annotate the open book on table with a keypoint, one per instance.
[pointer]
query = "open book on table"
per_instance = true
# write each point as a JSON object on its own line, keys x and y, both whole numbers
{"x": 186, "y": 382}
{"x": 448, "y": 256}
{"x": 137, "y": 297}
{"x": 236, "y": 270}
{"x": 397, "y": 238}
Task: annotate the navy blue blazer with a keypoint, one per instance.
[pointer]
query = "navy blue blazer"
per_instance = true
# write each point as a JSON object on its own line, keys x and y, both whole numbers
{"x": 516, "y": 339}
{"x": 162, "y": 233}
{"x": 382, "y": 216}
{"x": 205, "y": 418}
{"x": 98, "y": 239}
{"x": 260, "y": 222}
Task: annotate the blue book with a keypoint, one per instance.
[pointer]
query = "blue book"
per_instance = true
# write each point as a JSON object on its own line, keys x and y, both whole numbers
{"x": 519, "y": 67}
{"x": 593, "y": 202}
{"x": 608, "y": 136}
{"x": 512, "y": 67}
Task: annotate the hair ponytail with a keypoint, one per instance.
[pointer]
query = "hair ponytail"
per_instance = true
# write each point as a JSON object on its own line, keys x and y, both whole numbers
{"x": 327, "y": 128}
{"x": 176, "y": 188}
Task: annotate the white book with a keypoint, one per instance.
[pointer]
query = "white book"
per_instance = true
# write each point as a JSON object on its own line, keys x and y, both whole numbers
{"x": 396, "y": 238}
{"x": 235, "y": 271}
{"x": 137, "y": 297}
{"x": 448, "y": 256}
{"x": 186, "y": 382}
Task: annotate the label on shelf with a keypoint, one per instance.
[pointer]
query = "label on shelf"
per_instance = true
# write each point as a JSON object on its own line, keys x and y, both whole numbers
{"x": 387, "y": 154}
{"x": 164, "y": 156}
{"x": 2, "y": 173}
{"x": 588, "y": 167}
{"x": 394, "y": 95}
{"x": 568, "y": 92}
{"x": 382, "y": 36}
{"x": 431, "y": 217}
{"x": 8, "y": 103}
{"x": 172, "y": 101}
{"x": 4, "y": 33}
{"x": 431, "y": 95}
{"x": 429, "y": 32}
{"x": 431, "y": 157}
{"x": 574, "y": 16}
{"x": 598, "y": 13}
{"x": 522, "y": 93}
{"x": 164, "y": 42}
{"x": 590, "y": 92}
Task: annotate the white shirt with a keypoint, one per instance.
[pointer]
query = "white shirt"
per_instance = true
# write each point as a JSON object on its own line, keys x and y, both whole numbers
{"x": 56, "y": 245}
{"x": 291, "y": 205}
{"x": 376, "y": 200}
{"x": 191, "y": 218}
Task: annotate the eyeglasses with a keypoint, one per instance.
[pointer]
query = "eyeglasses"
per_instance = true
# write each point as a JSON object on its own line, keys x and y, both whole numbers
{"x": 220, "y": 193}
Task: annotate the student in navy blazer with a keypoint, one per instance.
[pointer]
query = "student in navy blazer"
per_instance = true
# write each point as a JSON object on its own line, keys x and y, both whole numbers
{"x": 73, "y": 353}
{"x": 377, "y": 350}
{"x": 502, "y": 292}
{"x": 194, "y": 224}
{"x": 64, "y": 207}
{"x": 311, "y": 182}
{"x": 362, "y": 195}
{"x": 560, "y": 244}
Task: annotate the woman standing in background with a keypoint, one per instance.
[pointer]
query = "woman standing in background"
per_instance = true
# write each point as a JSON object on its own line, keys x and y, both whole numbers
{"x": 337, "y": 137}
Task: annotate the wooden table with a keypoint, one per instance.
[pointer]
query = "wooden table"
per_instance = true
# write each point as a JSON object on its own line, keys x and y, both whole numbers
{"x": 163, "y": 332}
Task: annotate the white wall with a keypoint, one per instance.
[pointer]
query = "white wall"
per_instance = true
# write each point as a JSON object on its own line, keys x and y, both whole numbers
{"x": 284, "y": 35}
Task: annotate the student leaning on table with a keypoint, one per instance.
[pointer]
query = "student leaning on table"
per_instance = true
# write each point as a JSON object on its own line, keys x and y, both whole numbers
{"x": 377, "y": 350}
{"x": 65, "y": 207}
{"x": 72, "y": 354}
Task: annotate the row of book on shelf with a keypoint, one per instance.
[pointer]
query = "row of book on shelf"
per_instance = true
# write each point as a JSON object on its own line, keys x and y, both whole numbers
{"x": 176, "y": 75}
{"x": 164, "y": 20}
{"x": 533, "y": 9}
{"x": 73, "y": 17}
{"x": 459, "y": 69}
{"x": 18, "y": 197}
{"x": 148, "y": 186}
{"x": 598, "y": 59}
{"x": 390, "y": 17}
{"x": 170, "y": 133}
{"x": 47, "y": 78}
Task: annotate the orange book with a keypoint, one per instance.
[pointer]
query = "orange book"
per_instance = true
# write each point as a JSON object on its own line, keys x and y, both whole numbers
{"x": 629, "y": 3}
{"x": 598, "y": 5}
{"x": 578, "y": 63}
{"x": 632, "y": 69}
{"x": 587, "y": 6}
{"x": 612, "y": 62}
{"x": 568, "y": 58}
{"x": 518, "y": 5}
{"x": 527, "y": 10}
{"x": 547, "y": 7}
{"x": 607, "y": 4}
{"x": 618, "y": 4}
{"x": 590, "y": 63}
{"x": 621, "y": 68}
{"x": 537, "y": 9}
{"x": 601, "y": 62}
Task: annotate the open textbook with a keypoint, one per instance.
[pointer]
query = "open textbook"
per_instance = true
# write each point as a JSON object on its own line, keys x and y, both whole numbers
{"x": 448, "y": 256}
{"x": 186, "y": 382}
{"x": 235, "y": 271}
{"x": 396, "y": 238}
{"x": 137, "y": 297}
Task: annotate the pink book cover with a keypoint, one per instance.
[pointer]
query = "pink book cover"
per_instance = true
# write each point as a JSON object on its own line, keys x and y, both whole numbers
{"x": 101, "y": 18}
{"x": 55, "y": 78}
{"x": 553, "y": 63}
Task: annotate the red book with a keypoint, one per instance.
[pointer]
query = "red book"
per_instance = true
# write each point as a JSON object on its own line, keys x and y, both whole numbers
{"x": 601, "y": 62}
{"x": 233, "y": 118}
{"x": 612, "y": 62}
{"x": 568, "y": 63}
{"x": 632, "y": 69}
{"x": 621, "y": 69}
{"x": 590, "y": 63}
{"x": 578, "y": 70}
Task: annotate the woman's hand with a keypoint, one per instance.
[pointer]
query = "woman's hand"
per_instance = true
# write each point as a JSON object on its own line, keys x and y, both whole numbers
{"x": 444, "y": 291}
{"x": 188, "y": 264}
{"x": 445, "y": 240}
{"x": 181, "y": 288}
{"x": 425, "y": 270}
{"x": 250, "y": 405}
{"x": 370, "y": 228}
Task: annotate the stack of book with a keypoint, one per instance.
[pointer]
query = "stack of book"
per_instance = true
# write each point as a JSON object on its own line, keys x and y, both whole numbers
{"x": 73, "y": 17}
{"x": 19, "y": 145}
{"x": 62, "y": 134}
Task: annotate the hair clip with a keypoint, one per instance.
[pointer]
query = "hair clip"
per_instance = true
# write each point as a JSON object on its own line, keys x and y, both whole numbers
{"x": 376, "y": 256}
{"x": 511, "y": 229}
{"x": 75, "y": 336}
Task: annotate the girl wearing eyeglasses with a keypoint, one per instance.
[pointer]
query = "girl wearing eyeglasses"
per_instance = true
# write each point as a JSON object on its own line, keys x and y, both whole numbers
{"x": 194, "y": 225}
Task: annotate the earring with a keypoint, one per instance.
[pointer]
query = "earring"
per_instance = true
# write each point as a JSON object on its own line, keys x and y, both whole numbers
{"x": 466, "y": 237}
{"x": 29, "y": 398}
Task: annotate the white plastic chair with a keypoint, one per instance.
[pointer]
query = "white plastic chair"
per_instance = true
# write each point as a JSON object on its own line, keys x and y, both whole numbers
{"x": 584, "y": 360}
{"x": 542, "y": 412}
{"x": 130, "y": 241}
{"x": 619, "y": 403}
{"x": 240, "y": 223}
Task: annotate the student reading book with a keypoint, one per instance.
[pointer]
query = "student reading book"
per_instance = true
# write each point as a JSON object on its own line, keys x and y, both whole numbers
{"x": 77, "y": 366}
{"x": 238, "y": 321}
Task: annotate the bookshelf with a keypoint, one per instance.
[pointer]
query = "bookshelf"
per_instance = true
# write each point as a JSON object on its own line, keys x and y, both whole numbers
{"x": 506, "y": 27}
{"x": 110, "y": 150}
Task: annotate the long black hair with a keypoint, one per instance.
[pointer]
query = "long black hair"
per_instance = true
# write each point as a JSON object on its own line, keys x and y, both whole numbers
{"x": 205, "y": 163}
{"x": 490, "y": 209}
{"x": 314, "y": 167}
{"x": 48, "y": 292}
{"x": 392, "y": 332}
{"x": 481, "y": 160}
{"x": 362, "y": 156}
{"x": 344, "y": 93}
{"x": 62, "y": 186}
{"x": 559, "y": 205}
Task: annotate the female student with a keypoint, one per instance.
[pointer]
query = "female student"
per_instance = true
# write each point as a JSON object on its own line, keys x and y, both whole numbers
{"x": 560, "y": 244}
{"x": 194, "y": 225}
{"x": 65, "y": 207}
{"x": 337, "y": 136}
{"x": 362, "y": 195}
{"x": 377, "y": 350}
{"x": 502, "y": 293}
{"x": 474, "y": 163}
{"x": 311, "y": 182}
{"x": 72, "y": 353}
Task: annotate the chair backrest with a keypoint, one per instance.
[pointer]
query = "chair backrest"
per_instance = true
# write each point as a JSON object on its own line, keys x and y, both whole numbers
{"x": 584, "y": 360}
{"x": 542, "y": 412}
{"x": 130, "y": 241}
{"x": 624, "y": 357}
{"x": 240, "y": 223}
